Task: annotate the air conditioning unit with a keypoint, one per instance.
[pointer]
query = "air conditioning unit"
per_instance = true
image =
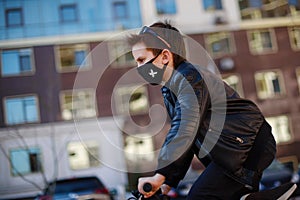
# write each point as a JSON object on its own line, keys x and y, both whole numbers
{"x": 220, "y": 20}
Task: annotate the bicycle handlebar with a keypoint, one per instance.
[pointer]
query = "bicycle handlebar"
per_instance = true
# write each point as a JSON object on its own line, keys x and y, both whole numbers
{"x": 147, "y": 187}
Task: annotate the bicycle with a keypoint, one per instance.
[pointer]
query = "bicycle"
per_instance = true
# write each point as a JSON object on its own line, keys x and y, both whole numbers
{"x": 282, "y": 192}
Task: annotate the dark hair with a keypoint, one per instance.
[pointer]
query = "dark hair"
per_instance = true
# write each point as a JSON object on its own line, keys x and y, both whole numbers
{"x": 166, "y": 33}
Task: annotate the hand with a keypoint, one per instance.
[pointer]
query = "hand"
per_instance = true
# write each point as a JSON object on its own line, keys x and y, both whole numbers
{"x": 156, "y": 181}
{"x": 165, "y": 189}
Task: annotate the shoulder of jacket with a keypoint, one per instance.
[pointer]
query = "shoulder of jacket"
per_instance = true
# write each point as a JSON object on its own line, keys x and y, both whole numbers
{"x": 188, "y": 72}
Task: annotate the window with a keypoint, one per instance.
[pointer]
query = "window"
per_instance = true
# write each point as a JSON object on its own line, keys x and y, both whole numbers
{"x": 139, "y": 147}
{"x": 280, "y": 128}
{"x": 269, "y": 84}
{"x": 298, "y": 76}
{"x": 253, "y": 9}
{"x": 294, "y": 7}
{"x": 68, "y": 13}
{"x": 14, "y": 17}
{"x": 219, "y": 44}
{"x": 120, "y": 10}
{"x": 131, "y": 100}
{"x": 118, "y": 54}
{"x": 20, "y": 110}
{"x": 235, "y": 82}
{"x": 16, "y": 62}
{"x": 25, "y": 161}
{"x": 83, "y": 154}
{"x": 262, "y": 41}
{"x": 294, "y": 34}
{"x": 212, "y": 4}
{"x": 165, "y": 6}
{"x": 72, "y": 57}
{"x": 78, "y": 104}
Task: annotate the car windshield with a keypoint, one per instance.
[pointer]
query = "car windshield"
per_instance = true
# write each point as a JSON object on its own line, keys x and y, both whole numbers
{"x": 74, "y": 185}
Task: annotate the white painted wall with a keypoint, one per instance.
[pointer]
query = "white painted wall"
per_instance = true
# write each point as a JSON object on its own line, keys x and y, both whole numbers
{"x": 191, "y": 16}
{"x": 112, "y": 170}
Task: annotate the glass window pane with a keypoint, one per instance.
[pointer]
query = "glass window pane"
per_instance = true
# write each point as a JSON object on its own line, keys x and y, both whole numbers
{"x": 254, "y": 9}
{"x": 120, "y": 10}
{"x": 165, "y": 6}
{"x": 24, "y": 161}
{"x": 68, "y": 13}
{"x": 212, "y": 4}
{"x": 10, "y": 62}
{"x": 30, "y": 109}
{"x": 83, "y": 155}
{"x": 219, "y": 44}
{"x": 79, "y": 58}
{"x": 79, "y": 104}
{"x": 14, "y": 111}
{"x": 139, "y": 147}
{"x": 235, "y": 82}
{"x": 14, "y": 17}
{"x": 25, "y": 63}
{"x": 131, "y": 100}
{"x": 21, "y": 110}
{"x": 72, "y": 56}
{"x": 16, "y": 62}
{"x": 269, "y": 84}
{"x": 118, "y": 54}
{"x": 280, "y": 128}
{"x": 262, "y": 41}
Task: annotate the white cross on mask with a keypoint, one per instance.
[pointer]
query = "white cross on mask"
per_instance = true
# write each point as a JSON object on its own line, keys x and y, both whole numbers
{"x": 152, "y": 73}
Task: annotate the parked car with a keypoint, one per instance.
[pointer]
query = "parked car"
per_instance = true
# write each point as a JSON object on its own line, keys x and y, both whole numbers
{"x": 76, "y": 188}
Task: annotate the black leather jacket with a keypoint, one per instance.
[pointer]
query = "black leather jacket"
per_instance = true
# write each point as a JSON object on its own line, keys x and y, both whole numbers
{"x": 208, "y": 119}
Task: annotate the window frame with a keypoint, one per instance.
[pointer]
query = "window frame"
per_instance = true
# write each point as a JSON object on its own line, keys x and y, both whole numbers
{"x": 61, "y": 16}
{"x": 86, "y": 145}
{"x": 123, "y": 3}
{"x": 26, "y": 73}
{"x": 264, "y": 51}
{"x": 88, "y": 91}
{"x": 220, "y": 36}
{"x": 73, "y": 68}
{"x": 292, "y": 37}
{"x": 118, "y": 100}
{"x": 115, "y": 54}
{"x": 26, "y": 149}
{"x": 261, "y": 11}
{"x": 297, "y": 71}
{"x": 214, "y": 7}
{"x": 239, "y": 89}
{"x": 21, "y": 96}
{"x": 137, "y": 148}
{"x": 290, "y": 128}
{"x": 273, "y": 95}
{"x": 163, "y": 12}
{"x": 7, "y": 24}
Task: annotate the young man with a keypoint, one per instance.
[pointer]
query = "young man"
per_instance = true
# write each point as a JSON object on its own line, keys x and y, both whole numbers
{"x": 209, "y": 119}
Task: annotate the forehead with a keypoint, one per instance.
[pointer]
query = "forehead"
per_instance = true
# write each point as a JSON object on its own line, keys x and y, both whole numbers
{"x": 140, "y": 50}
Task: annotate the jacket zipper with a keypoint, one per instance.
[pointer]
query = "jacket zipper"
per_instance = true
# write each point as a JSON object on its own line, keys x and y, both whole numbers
{"x": 235, "y": 138}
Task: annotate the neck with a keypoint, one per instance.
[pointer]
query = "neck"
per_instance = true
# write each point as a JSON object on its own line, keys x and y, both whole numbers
{"x": 168, "y": 73}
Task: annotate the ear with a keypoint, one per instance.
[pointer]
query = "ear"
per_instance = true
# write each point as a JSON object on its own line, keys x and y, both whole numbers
{"x": 167, "y": 56}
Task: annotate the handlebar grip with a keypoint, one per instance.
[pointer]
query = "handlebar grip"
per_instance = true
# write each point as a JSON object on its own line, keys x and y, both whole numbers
{"x": 147, "y": 187}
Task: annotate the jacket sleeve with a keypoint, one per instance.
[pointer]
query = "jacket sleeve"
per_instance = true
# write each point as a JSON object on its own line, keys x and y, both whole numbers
{"x": 176, "y": 154}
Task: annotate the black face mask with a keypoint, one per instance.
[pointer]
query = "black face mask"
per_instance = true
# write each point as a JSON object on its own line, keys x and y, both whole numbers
{"x": 151, "y": 73}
